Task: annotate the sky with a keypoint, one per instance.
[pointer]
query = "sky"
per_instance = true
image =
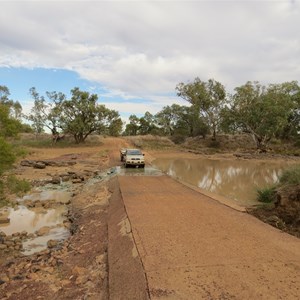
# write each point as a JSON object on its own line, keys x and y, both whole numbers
{"x": 134, "y": 53}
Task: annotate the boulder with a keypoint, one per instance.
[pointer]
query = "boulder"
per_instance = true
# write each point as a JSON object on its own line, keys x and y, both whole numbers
{"x": 4, "y": 220}
{"x": 56, "y": 180}
{"x": 26, "y": 163}
{"x": 52, "y": 243}
{"x": 43, "y": 231}
{"x": 39, "y": 165}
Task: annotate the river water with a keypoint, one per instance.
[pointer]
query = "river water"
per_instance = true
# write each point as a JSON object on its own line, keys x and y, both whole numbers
{"x": 235, "y": 179}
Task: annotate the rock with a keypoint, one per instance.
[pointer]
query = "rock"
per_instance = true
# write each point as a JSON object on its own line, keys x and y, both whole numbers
{"x": 275, "y": 221}
{"x": 3, "y": 246}
{"x": 52, "y": 243}
{"x": 39, "y": 165}
{"x": 4, "y": 220}
{"x": 65, "y": 178}
{"x": 43, "y": 231}
{"x": 18, "y": 277}
{"x": 24, "y": 233}
{"x": 18, "y": 247}
{"x": 77, "y": 180}
{"x": 9, "y": 243}
{"x": 26, "y": 163}
{"x": 56, "y": 180}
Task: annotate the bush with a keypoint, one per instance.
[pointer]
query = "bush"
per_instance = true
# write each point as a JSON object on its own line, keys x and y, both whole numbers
{"x": 7, "y": 157}
{"x": 214, "y": 144}
{"x": 178, "y": 138}
{"x": 290, "y": 176}
{"x": 17, "y": 186}
{"x": 266, "y": 195}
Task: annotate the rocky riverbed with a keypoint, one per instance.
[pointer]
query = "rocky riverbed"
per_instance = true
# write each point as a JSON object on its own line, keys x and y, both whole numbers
{"x": 53, "y": 241}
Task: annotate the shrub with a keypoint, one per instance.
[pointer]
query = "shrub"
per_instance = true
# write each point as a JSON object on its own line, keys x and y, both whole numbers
{"x": 266, "y": 195}
{"x": 7, "y": 157}
{"x": 178, "y": 138}
{"x": 214, "y": 144}
{"x": 17, "y": 186}
{"x": 290, "y": 176}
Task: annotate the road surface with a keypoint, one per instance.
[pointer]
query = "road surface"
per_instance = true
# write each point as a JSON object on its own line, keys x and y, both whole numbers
{"x": 193, "y": 247}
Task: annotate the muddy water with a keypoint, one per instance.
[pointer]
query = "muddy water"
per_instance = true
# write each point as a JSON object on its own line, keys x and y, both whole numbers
{"x": 31, "y": 220}
{"x": 39, "y": 243}
{"x": 22, "y": 218}
{"x": 56, "y": 195}
{"x": 234, "y": 179}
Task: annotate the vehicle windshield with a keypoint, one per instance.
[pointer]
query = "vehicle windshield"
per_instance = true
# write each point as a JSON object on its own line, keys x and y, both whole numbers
{"x": 134, "y": 152}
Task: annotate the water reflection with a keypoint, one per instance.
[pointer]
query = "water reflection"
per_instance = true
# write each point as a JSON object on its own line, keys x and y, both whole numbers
{"x": 31, "y": 220}
{"x": 233, "y": 179}
{"x": 39, "y": 243}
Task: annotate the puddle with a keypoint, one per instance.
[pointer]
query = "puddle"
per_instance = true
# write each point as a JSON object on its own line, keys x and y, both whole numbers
{"x": 56, "y": 195}
{"x": 147, "y": 171}
{"x": 120, "y": 170}
{"x": 31, "y": 220}
{"x": 40, "y": 243}
{"x": 237, "y": 180}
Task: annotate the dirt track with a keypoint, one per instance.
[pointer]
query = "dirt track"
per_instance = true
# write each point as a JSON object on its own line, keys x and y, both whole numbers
{"x": 193, "y": 247}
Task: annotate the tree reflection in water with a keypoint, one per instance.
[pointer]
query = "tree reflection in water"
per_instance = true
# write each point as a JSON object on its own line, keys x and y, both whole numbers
{"x": 235, "y": 179}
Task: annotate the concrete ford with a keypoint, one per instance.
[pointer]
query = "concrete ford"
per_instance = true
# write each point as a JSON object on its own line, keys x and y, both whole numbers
{"x": 134, "y": 157}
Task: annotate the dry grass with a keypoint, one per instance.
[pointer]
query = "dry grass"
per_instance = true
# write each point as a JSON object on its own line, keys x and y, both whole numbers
{"x": 151, "y": 142}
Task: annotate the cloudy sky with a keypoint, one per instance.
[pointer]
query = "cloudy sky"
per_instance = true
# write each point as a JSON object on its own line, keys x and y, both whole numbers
{"x": 134, "y": 53}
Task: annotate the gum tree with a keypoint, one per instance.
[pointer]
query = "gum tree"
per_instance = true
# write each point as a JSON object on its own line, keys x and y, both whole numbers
{"x": 262, "y": 111}
{"x": 82, "y": 115}
{"x": 207, "y": 99}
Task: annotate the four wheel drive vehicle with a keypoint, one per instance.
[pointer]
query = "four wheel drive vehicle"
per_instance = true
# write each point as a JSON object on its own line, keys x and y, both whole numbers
{"x": 134, "y": 157}
{"x": 122, "y": 153}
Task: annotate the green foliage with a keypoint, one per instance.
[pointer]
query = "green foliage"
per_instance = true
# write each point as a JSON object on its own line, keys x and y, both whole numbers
{"x": 261, "y": 111}
{"x": 82, "y": 115}
{"x": 45, "y": 114}
{"x": 207, "y": 100}
{"x": 17, "y": 186}
{"x": 7, "y": 156}
{"x": 290, "y": 176}
{"x": 266, "y": 195}
{"x": 79, "y": 116}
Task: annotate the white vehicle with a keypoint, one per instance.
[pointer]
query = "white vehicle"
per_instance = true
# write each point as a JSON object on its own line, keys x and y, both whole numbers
{"x": 122, "y": 153}
{"x": 134, "y": 157}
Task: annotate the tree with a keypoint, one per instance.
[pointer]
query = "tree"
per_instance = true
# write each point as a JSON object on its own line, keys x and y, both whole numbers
{"x": 10, "y": 125}
{"x": 82, "y": 115}
{"x": 292, "y": 129}
{"x": 45, "y": 114}
{"x": 147, "y": 125}
{"x": 167, "y": 118}
{"x": 133, "y": 126}
{"x": 261, "y": 111}
{"x": 207, "y": 99}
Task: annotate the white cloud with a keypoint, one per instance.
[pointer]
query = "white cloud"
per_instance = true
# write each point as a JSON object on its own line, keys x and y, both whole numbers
{"x": 143, "y": 49}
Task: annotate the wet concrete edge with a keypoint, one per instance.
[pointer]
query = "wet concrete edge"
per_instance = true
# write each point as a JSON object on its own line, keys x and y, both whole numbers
{"x": 127, "y": 278}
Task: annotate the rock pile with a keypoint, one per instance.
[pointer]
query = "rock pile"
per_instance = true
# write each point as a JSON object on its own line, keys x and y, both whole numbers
{"x": 41, "y": 164}
{"x": 13, "y": 243}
